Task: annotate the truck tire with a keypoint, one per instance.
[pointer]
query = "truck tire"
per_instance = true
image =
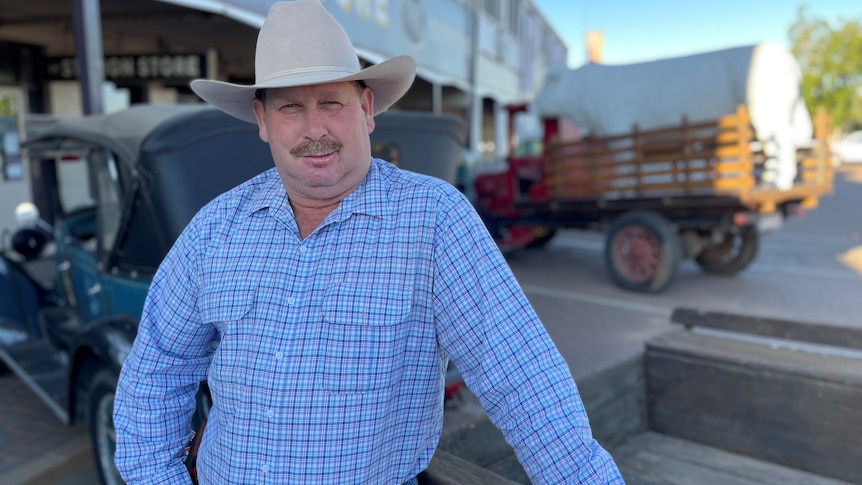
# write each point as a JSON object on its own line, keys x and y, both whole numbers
{"x": 733, "y": 254}
{"x": 100, "y": 405}
{"x": 642, "y": 251}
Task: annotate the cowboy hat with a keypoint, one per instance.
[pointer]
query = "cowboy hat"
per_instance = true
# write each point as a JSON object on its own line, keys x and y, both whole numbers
{"x": 301, "y": 44}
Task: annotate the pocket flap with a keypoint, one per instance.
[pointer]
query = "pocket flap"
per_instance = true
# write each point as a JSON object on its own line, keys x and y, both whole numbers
{"x": 365, "y": 304}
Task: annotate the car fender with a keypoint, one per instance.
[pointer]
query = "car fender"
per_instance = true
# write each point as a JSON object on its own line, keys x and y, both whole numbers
{"x": 109, "y": 340}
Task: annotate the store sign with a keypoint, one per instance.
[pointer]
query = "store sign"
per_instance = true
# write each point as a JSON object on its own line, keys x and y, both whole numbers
{"x": 147, "y": 67}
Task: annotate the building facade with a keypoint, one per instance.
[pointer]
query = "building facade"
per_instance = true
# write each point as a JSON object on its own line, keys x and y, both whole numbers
{"x": 473, "y": 58}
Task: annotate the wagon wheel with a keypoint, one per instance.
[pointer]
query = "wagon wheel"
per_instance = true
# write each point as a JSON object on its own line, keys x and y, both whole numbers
{"x": 733, "y": 254}
{"x": 642, "y": 251}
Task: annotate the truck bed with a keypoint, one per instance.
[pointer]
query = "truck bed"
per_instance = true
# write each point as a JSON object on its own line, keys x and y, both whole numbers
{"x": 717, "y": 158}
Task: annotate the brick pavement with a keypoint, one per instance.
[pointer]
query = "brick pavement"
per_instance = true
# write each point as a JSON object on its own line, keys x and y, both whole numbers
{"x": 35, "y": 446}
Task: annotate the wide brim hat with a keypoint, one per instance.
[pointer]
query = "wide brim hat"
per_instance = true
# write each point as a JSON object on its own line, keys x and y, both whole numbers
{"x": 301, "y": 44}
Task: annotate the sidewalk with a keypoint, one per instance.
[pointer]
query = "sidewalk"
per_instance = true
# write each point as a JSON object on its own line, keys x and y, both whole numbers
{"x": 37, "y": 448}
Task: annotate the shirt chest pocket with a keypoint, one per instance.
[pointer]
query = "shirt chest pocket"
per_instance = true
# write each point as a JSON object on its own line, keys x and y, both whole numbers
{"x": 364, "y": 337}
{"x": 229, "y": 309}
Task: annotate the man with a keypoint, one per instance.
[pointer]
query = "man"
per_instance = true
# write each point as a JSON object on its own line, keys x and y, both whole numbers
{"x": 323, "y": 299}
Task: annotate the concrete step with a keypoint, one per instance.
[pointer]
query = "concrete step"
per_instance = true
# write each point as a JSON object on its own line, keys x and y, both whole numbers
{"x": 787, "y": 402}
{"x": 655, "y": 459}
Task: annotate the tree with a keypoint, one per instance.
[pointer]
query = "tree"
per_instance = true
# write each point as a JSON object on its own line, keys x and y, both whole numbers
{"x": 830, "y": 59}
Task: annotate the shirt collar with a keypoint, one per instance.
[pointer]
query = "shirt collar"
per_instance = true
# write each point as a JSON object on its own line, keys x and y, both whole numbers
{"x": 369, "y": 198}
{"x": 270, "y": 194}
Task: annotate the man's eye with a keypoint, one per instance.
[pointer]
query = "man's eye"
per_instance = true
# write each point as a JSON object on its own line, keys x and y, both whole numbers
{"x": 290, "y": 107}
{"x": 331, "y": 104}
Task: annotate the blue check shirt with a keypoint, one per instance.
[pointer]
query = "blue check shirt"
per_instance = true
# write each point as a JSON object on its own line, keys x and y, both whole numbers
{"x": 326, "y": 356}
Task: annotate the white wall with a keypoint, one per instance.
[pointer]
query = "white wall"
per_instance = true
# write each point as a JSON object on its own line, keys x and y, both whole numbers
{"x": 66, "y": 100}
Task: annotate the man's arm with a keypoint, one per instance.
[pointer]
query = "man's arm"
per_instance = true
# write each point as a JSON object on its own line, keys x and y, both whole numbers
{"x": 507, "y": 358}
{"x": 159, "y": 379}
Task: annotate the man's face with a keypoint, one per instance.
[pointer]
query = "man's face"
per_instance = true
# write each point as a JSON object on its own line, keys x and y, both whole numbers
{"x": 318, "y": 136}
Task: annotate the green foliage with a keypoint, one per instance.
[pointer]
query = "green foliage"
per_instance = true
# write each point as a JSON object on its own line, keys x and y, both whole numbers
{"x": 830, "y": 58}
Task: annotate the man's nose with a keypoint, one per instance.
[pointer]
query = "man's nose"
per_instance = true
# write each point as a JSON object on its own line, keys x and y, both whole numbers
{"x": 315, "y": 124}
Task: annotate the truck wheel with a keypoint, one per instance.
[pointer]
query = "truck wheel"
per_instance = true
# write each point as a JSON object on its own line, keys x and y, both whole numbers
{"x": 100, "y": 405}
{"x": 735, "y": 252}
{"x": 642, "y": 251}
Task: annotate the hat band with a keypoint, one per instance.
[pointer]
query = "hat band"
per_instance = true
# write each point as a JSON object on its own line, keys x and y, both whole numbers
{"x": 338, "y": 71}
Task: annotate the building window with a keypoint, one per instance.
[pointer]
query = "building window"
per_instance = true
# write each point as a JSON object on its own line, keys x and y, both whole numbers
{"x": 11, "y": 156}
{"x": 10, "y": 139}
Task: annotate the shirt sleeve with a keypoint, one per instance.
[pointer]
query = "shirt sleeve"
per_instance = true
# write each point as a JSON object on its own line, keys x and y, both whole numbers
{"x": 506, "y": 357}
{"x": 155, "y": 396}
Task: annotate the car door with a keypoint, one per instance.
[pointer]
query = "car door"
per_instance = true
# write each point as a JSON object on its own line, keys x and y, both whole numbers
{"x": 77, "y": 243}
{"x": 122, "y": 291}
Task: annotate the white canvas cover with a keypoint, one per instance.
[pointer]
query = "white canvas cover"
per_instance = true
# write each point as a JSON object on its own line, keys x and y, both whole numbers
{"x": 610, "y": 99}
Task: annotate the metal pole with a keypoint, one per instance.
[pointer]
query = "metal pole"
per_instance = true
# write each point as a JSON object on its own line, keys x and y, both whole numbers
{"x": 475, "y": 107}
{"x": 88, "y": 51}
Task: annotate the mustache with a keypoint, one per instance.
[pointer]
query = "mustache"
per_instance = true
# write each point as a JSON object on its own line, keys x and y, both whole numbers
{"x": 312, "y": 148}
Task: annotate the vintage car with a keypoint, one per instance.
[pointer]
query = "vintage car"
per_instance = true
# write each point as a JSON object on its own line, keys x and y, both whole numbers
{"x": 111, "y": 194}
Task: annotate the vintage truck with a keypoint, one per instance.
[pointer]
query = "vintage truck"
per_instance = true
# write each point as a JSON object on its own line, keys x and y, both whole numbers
{"x": 111, "y": 194}
{"x": 679, "y": 158}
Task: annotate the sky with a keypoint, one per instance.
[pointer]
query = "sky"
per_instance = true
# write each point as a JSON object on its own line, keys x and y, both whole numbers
{"x": 644, "y": 30}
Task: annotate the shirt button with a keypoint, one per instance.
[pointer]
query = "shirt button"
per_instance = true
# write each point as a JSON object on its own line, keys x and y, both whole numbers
{"x": 303, "y": 249}
{"x": 265, "y": 468}
{"x": 279, "y": 355}
{"x": 291, "y": 300}
{"x": 270, "y": 413}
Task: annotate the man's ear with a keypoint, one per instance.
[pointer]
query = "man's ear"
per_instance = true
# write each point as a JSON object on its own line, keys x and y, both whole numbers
{"x": 259, "y": 114}
{"x": 368, "y": 107}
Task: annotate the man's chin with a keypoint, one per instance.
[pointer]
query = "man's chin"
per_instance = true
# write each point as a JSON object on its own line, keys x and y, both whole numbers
{"x": 323, "y": 190}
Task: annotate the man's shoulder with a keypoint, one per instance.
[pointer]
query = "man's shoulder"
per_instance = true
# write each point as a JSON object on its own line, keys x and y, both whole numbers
{"x": 406, "y": 184}
{"x": 243, "y": 197}
{"x": 227, "y": 208}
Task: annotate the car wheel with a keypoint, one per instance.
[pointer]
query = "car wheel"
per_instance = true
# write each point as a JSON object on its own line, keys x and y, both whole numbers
{"x": 100, "y": 405}
{"x": 642, "y": 251}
